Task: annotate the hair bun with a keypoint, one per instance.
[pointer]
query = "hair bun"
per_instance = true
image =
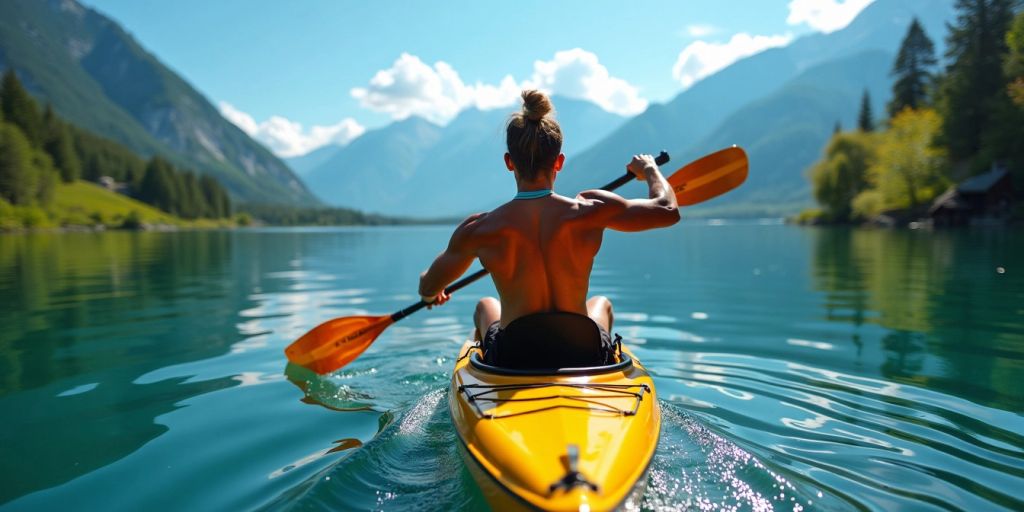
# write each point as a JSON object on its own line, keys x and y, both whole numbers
{"x": 536, "y": 105}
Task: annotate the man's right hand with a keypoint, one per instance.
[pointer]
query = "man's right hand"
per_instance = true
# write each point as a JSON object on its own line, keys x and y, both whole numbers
{"x": 437, "y": 300}
{"x": 640, "y": 165}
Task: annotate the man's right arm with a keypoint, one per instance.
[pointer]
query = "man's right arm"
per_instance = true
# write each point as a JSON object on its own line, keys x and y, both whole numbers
{"x": 658, "y": 210}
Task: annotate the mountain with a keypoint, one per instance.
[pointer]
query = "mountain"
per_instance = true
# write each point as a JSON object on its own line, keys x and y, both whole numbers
{"x": 98, "y": 77}
{"x": 371, "y": 173}
{"x": 766, "y": 88}
{"x": 785, "y": 132}
{"x": 414, "y": 168}
{"x": 302, "y": 164}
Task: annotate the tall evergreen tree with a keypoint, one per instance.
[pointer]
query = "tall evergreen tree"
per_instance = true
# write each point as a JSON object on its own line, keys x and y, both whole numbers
{"x": 216, "y": 198}
{"x": 1014, "y": 65}
{"x": 912, "y": 71}
{"x": 974, "y": 80}
{"x": 59, "y": 145}
{"x": 193, "y": 204}
{"x": 1003, "y": 139}
{"x": 838, "y": 128}
{"x": 45, "y": 179}
{"x": 20, "y": 109}
{"x": 224, "y": 202}
{"x": 866, "y": 119}
{"x": 159, "y": 186}
{"x": 16, "y": 169}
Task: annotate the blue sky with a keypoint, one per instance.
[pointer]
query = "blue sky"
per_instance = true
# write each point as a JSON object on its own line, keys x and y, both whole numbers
{"x": 297, "y": 75}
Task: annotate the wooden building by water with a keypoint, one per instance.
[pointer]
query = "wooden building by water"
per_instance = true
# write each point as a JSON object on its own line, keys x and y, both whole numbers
{"x": 985, "y": 197}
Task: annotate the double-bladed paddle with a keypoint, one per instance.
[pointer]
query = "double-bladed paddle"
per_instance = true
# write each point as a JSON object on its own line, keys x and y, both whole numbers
{"x": 335, "y": 343}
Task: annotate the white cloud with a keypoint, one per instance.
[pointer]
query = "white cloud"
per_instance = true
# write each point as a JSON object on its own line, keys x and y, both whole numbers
{"x": 700, "y": 30}
{"x": 701, "y": 58}
{"x": 288, "y": 138}
{"x": 437, "y": 93}
{"x": 578, "y": 74}
{"x": 825, "y": 15}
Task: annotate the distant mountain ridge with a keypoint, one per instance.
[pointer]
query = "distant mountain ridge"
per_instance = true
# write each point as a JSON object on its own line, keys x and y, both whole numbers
{"x": 302, "y": 164}
{"x": 416, "y": 168}
{"x": 98, "y": 77}
{"x": 780, "y": 105}
{"x": 745, "y": 102}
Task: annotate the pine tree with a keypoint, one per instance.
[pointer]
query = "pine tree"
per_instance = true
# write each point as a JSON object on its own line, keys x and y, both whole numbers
{"x": 912, "y": 71}
{"x": 216, "y": 199}
{"x": 20, "y": 109}
{"x": 45, "y": 179}
{"x": 837, "y": 129}
{"x": 866, "y": 120}
{"x": 224, "y": 202}
{"x": 974, "y": 80}
{"x": 193, "y": 204}
{"x": 1014, "y": 64}
{"x": 159, "y": 186}
{"x": 16, "y": 170}
{"x": 1003, "y": 139}
{"x": 59, "y": 145}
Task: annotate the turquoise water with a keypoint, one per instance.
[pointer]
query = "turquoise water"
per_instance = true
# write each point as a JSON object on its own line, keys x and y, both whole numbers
{"x": 798, "y": 369}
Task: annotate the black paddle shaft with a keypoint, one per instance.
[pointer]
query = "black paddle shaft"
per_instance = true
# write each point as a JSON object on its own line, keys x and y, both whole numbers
{"x": 661, "y": 159}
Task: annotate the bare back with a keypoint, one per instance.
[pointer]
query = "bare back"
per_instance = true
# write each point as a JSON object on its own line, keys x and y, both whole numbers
{"x": 540, "y": 253}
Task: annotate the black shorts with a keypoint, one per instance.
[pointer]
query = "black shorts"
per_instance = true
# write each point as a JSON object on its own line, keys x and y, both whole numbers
{"x": 497, "y": 347}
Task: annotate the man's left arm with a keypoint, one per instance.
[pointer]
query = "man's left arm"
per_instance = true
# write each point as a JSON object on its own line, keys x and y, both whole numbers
{"x": 450, "y": 264}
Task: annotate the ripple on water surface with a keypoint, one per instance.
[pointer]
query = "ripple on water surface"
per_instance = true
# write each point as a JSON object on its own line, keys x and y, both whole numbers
{"x": 798, "y": 369}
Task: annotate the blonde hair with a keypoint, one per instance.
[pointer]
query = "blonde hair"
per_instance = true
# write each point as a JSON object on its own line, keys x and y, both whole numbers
{"x": 532, "y": 135}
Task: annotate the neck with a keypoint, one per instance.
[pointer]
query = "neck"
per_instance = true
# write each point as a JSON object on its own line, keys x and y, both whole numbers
{"x": 539, "y": 183}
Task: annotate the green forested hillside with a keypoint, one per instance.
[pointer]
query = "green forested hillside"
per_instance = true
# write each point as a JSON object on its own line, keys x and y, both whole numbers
{"x": 42, "y": 158}
{"x": 95, "y": 75}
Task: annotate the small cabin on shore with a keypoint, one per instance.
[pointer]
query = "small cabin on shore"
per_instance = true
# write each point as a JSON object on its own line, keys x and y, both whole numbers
{"x": 987, "y": 196}
{"x": 113, "y": 185}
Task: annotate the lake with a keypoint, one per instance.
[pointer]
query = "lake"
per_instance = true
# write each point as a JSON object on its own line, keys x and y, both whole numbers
{"x": 798, "y": 368}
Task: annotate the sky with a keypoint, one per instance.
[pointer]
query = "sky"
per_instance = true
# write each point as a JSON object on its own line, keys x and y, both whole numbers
{"x": 301, "y": 74}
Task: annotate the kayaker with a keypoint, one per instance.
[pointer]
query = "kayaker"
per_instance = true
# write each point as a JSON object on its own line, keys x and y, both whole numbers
{"x": 539, "y": 247}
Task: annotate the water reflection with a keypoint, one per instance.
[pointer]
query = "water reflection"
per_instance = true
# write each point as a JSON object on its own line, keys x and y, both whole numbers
{"x": 97, "y": 319}
{"x": 78, "y": 289}
{"x": 326, "y": 391}
{"x": 99, "y": 308}
{"x": 941, "y": 299}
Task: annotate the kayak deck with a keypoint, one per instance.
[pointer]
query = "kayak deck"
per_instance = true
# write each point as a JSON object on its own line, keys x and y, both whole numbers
{"x": 604, "y": 400}
{"x": 578, "y": 440}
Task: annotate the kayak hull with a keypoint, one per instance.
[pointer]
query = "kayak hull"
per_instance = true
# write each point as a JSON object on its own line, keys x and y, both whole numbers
{"x": 577, "y": 440}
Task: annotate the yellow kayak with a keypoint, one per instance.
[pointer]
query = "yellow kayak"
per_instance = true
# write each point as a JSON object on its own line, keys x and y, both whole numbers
{"x": 576, "y": 439}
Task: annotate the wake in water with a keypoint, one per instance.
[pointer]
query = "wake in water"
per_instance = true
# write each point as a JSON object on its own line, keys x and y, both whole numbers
{"x": 697, "y": 469}
{"x": 413, "y": 463}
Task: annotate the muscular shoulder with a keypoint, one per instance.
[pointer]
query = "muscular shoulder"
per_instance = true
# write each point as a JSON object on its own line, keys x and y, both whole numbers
{"x": 600, "y": 203}
{"x": 466, "y": 235}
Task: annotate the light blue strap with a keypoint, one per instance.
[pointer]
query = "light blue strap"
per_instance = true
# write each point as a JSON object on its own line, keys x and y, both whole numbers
{"x": 534, "y": 194}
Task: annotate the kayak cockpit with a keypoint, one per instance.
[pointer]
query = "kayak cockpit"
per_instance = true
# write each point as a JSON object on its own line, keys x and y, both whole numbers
{"x": 476, "y": 360}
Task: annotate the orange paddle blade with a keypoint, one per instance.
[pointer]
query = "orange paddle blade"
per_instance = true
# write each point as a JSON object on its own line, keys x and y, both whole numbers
{"x": 336, "y": 342}
{"x": 710, "y": 176}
